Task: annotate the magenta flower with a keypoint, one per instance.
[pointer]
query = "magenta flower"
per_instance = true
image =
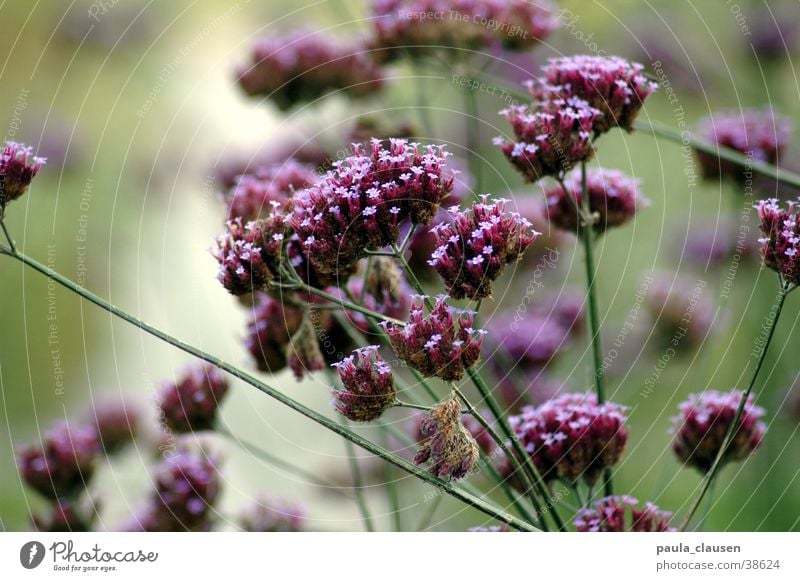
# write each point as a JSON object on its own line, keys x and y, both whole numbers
{"x": 529, "y": 343}
{"x": 63, "y": 516}
{"x": 253, "y": 194}
{"x": 761, "y": 134}
{"x": 368, "y": 382}
{"x": 572, "y": 437}
{"x": 305, "y": 66}
{"x": 619, "y": 514}
{"x": 361, "y": 203}
{"x": 269, "y": 331}
{"x": 63, "y": 464}
{"x": 116, "y": 423}
{"x": 18, "y": 167}
{"x": 705, "y": 418}
{"x": 190, "y": 404}
{"x": 474, "y": 248}
{"x": 612, "y": 85}
{"x": 614, "y": 199}
{"x": 447, "y": 445}
{"x": 442, "y": 344}
{"x": 781, "y": 241}
{"x": 270, "y": 516}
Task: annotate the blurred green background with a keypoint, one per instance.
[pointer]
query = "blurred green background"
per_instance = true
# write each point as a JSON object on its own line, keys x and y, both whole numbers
{"x": 136, "y": 107}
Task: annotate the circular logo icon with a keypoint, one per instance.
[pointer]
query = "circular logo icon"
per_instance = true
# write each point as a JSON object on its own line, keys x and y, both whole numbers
{"x": 31, "y": 554}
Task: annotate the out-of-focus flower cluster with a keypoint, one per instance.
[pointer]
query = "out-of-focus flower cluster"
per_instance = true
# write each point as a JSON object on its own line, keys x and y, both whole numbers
{"x": 190, "y": 403}
{"x": 619, "y": 514}
{"x": 253, "y": 194}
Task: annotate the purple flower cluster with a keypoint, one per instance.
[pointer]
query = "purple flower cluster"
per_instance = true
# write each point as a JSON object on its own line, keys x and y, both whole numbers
{"x": 614, "y": 199}
{"x": 416, "y": 27}
{"x": 368, "y": 382}
{"x": 572, "y": 437}
{"x": 475, "y": 246}
{"x": 761, "y": 134}
{"x": 63, "y": 516}
{"x": 361, "y": 203}
{"x": 115, "y": 422}
{"x": 781, "y": 241}
{"x": 530, "y": 343}
{"x": 273, "y": 517}
{"x": 619, "y": 514}
{"x": 443, "y": 344}
{"x": 190, "y": 404}
{"x": 269, "y": 331}
{"x": 304, "y": 66}
{"x": 18, "y": 167}
{"x": 253, "y": 194}
{"x": 612, "y": 85}
{"x": 704, "y": 420}
{"x": 447, "y": 444}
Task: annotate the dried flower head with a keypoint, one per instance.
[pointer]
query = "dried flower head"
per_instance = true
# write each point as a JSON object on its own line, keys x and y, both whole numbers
{"x": 781, "y": 242}
{"x": 303, "y": 66}
{"x": 63, "y": 464}
{"x": 572, "y": 436}
{"x": 704, "y": 420}
{"x": 612, "y": 85}
{"x": 368, "y": 386}
{"x": 190, "y": 404}
{"x": 270, "y": 516}
{"x": 475, "y": 246}
{"x": 447, "y": 445}
{"x": 270, "y": 329}
{"x": 619, "y": 514}
{"x": 252, "y": 196}
{"x": 614, "y": 199}
{"x": 442, "y": 344}
{"x": 303, "y": 353}
{"x": 363, "y": 200}
{"x": 761, "y": 134}
{"x": 18, "y": 167}
{"x": 116, "y": 422}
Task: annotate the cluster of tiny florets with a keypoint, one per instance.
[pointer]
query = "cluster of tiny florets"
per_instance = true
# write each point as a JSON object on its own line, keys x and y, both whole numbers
{"x": 780, "y": 245}
{"x": 361, "y": 203}
{"x": 704, "y": 420}
{"x": 619, "y": 514}
{"x": 446, "y": 443}
{"x": 442, "y": 344}
{"x": 253, "y": 194}
{"x": 269, "y": 331}
{"x": 116, "y": 423}
{"x": 476, "y": 244}
{"x": 572, "y": 437}
{"x": 18, "y": 167}
{"x": 368, "y": 385}
{"x": 269, "y": 516}
{"x": 304, "y": 66}
{"x": 190, "y": 404}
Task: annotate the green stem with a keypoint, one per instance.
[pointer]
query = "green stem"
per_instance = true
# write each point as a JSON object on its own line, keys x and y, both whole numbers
{"x": 358, "y": 487}
{"x": 11, "y": 245}
{"x": 473, "y": 138}
{"x": 713, "y": 472}
{"x": 392, "y": 492}
{"x": 345, "y": 304}
{"x": 447, "y": 487}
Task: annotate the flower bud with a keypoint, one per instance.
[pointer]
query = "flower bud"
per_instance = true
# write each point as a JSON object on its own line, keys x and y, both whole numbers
{"x": 18, "y": 167}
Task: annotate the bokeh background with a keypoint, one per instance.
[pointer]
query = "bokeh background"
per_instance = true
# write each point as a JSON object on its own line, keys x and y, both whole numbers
{"x": 137, "y": 109}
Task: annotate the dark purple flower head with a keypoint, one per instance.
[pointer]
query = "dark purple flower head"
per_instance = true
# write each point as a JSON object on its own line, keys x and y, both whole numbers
{"x": 781, "y": 242}
{"x": 716, "y": 242}
{"x": 190, "y": 404}
{"x": 18, "y": 167}
{"x": 270, "y": 516}
{"x": 368, "y": 382}
{"x": 419, "y": 27}
{"x": 572, "y": 437}
{"x": 304, "y": 66}
{"x": 252, "y": 196}
{"x": 612, "y": 85}
{"x": 551, "y": 136}
{"x": 442, "y": 344}
{"x": 704, "y": 419}
{"x": 614, "y": 199}
{"x": 475, "y": 246}
{"x": 529, "y": 343}
{"x": 63, "y": 516}
{"x": 63, "y": 464}
{"x": 683, "y": 312}
{"x": 761, "y": 134}
{"x": 447, "y": 444}
{"x": 116, "y": 422}
{"x": 303, "y": 353}
{"x": 361, "y": 203}
{"x": 271, "y": 327}
{"x": 619, "y": 514}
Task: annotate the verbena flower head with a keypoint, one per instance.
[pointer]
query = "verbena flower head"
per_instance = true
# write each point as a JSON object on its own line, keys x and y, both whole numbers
{"x": 761, "y": 134}
{"x": 448, "y": 446}
{"x": 716, "y": 242}
{"x": 304, "y": 66}
{"x": 63, "y": 516}
{"x": 116, "y": 423}
{"x": 190, "y": 404}
{"x": 63, "y": 464}
{"x": 363, "y": 200}
{"x": 369, "y": 388}
{"x": 273, "y": 516}
{"x": 18, "y": 167}
{"x": 780, "y": 245}
{"x": 483, "y": 438}
{"x": 475, "y": 246}
{"x": 551, "y": 135}
{"x": 619, "y": 514}
{"x": 442, "y": 344}
{"x": 572, "y": 437}
{"x": 252, "y": 196}
{"x": 528, "y": 343}
{"x": 303, "y": 353}
{"x": 614, "y": 199}
{"x": 270, "y": 329}
{"x": 699, "y": 430}
{"x": 612, "y": 85}
{"x": 419, "y": 27}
